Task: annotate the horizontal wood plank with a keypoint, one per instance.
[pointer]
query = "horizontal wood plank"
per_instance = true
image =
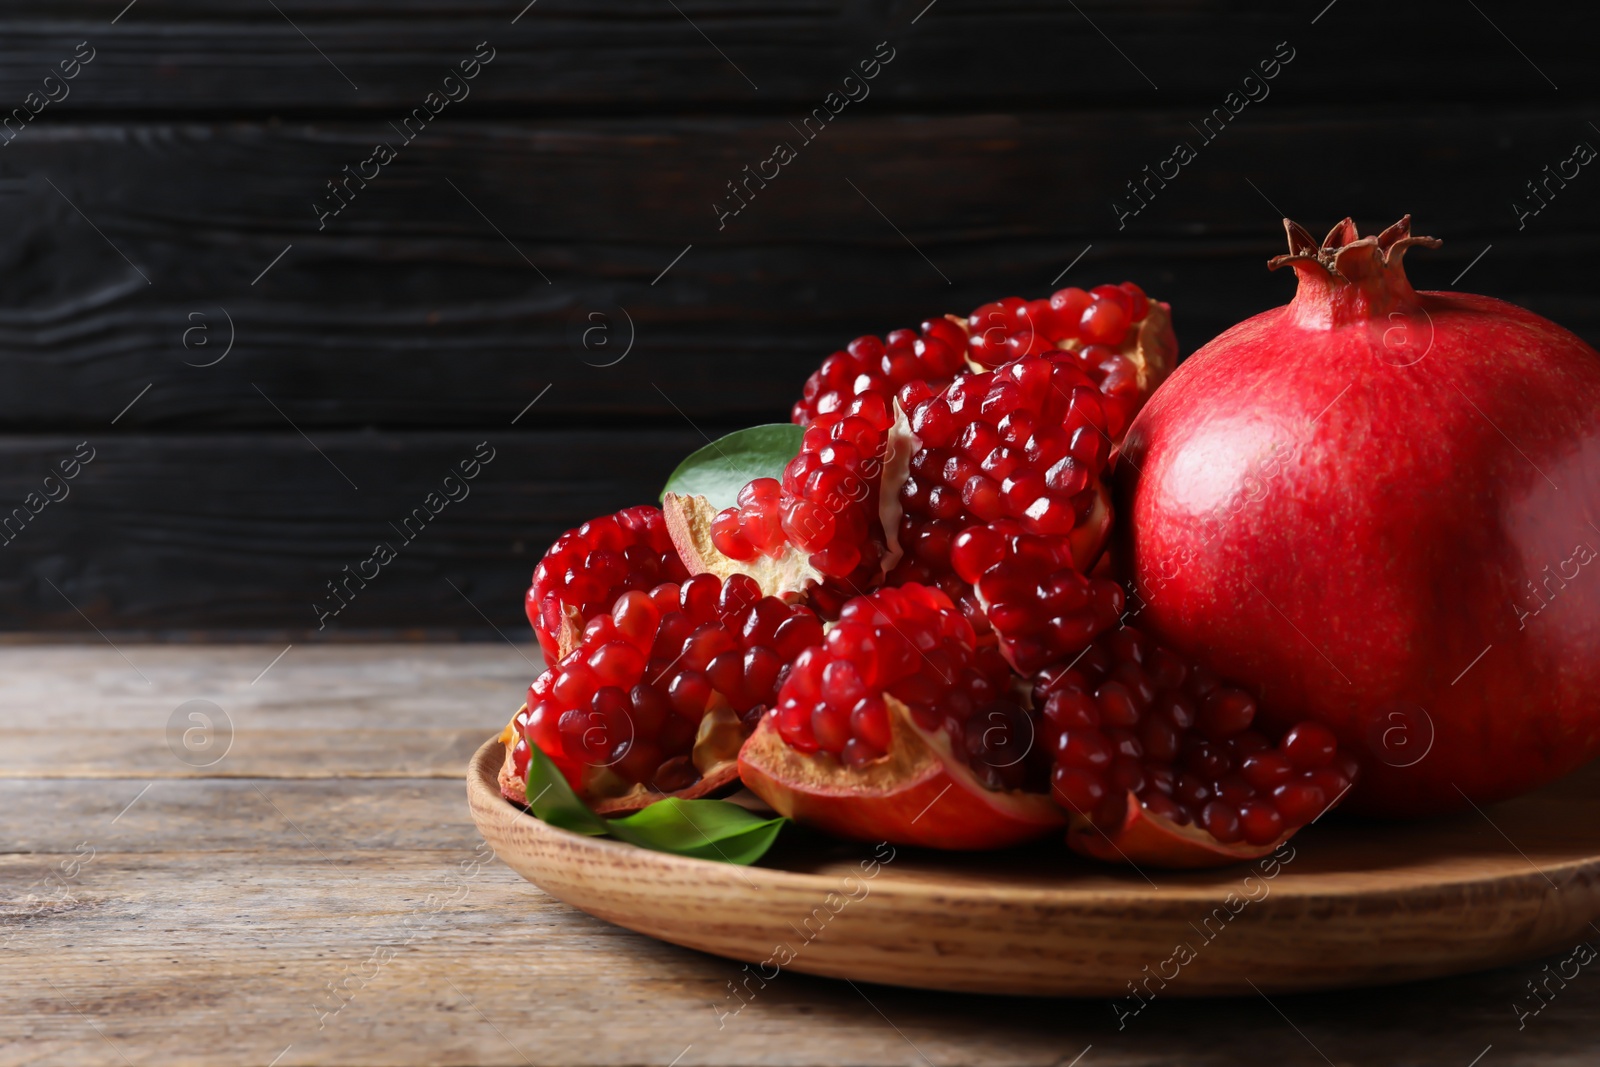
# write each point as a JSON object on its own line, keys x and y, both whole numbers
{"x": 247, "y": 531}
{"x": 439, "y": 953}
{"x": 411, "y": 310}
{"x": 218, "y": 920}
{"x": 225, "y": 55}
{"x": 307, "y": 711}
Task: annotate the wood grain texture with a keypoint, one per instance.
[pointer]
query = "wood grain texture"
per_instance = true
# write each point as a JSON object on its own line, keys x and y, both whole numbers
{"x": 169, "y": 200}
{"x": 1340, "y": 907}
{"x": 210, "y": 55}
{"x": 210, "y": 921}
{"x": 374, "y": 710}
{"x": 409, "y": 310}
{"x": 246, "y": 531}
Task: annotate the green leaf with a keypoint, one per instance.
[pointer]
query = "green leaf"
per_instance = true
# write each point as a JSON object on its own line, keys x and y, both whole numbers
{"x": 552, "y": 799}
{"x": 703, "y": 829}
{"x": 719, "y": 470}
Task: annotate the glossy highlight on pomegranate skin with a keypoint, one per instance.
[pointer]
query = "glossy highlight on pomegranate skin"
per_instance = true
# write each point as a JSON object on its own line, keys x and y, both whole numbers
{"x": 1381, "y": 507}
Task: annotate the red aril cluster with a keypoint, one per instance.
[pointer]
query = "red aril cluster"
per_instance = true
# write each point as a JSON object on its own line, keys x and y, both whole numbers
{"x": 826, "y": 506}
{"x": 909, "y": 643}
{"x": 1133, "y": 717}
{"x": 870, "y": 365}
{"x": 1098, "y": 331}
{"x": 1010, "y": 468}
{"x": 1033, "y": 595}
{"x": 633, "y": 697}
{"x": 588, "y": 568}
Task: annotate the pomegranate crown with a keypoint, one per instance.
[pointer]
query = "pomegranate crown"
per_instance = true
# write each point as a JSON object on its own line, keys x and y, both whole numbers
{"x": 1347, "y": 254}
{"x": 1348, "y": 275}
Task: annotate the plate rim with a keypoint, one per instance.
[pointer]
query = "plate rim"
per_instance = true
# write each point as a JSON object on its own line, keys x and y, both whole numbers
{"x": 1187, "y": 886}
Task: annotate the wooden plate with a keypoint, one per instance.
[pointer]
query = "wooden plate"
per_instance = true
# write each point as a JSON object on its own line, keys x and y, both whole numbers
{"x": 1350, "y": 903}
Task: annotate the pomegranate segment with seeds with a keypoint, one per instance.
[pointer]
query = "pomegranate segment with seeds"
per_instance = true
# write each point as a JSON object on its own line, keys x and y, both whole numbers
{"x": 935, "y": 355}
{"x": 586, "y": 569}
{"x": 901, "y": 727}
{"x": 909, "y": 643}
{"x": 1006, "y": 492}
{"x": 1160, "y": 763}
{"x": 661, "y": 690}
{"x": 1116, "y": 335}
{"x": 1032, "y": 593}
{"x": 819, "y": 533}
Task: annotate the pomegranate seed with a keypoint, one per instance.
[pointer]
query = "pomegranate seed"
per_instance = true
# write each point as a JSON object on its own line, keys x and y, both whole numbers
{"x": 1070, "y": 304}
{"x": 1266, "y": 770}
{"x": 1115, "y": 294}
{"x": 1078, "y": 790}
{"x": 1260, "y": 822}
{"x": 1226, "y": 712}
{"x": 1103, "y": 323}
{"x": 1087, "y": 749}
{"x": 881, "y": 368}
{"x": 1221, "y": 821}
{"x": 1309, "y": 745}
{"x": 1298, "y": 802}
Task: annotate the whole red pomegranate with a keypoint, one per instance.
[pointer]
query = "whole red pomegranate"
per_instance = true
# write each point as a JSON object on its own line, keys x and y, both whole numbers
{"x": 1380, "y": 508}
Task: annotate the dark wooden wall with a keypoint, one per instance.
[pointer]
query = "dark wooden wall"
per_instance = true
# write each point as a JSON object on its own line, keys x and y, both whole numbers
{"x": 454, "y": 289}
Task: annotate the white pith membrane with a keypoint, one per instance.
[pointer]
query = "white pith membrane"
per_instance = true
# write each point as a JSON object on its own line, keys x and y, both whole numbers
{"x": 788, "y": 576}
{"x": 569, "y": 635}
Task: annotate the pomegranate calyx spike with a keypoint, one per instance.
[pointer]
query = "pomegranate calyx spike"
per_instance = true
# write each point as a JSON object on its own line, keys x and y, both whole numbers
{"x": 1300, "y": 241}
{"x": 1343, "y": 233}
{"x": 1399, "y": 230}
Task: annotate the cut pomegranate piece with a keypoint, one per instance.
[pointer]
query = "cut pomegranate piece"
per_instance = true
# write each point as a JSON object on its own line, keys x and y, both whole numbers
{"x": 1119, "y": 337}
{"x": 661, "y": 691}
{"x": 900, "y": 727}
{"x": 1032, "y": 593}
{"x": 1010, "y": 470}
{"x": 821, "y": 533}
{"x": 587, "y": 569}
{"x": 1159, "y": 763}
{"x": 870, "y": 365}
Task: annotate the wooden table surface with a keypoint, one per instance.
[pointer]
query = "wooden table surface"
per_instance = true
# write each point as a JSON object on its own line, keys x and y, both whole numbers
{"x": 319, "y": 895}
